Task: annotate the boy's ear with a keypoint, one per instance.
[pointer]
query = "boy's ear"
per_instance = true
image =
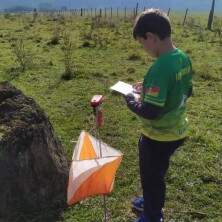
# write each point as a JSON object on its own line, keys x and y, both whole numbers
{"x": 150, "y": 35}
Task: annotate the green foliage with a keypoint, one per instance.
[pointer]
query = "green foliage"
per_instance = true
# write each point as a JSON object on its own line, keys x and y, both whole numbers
{"x": 55, "y": 35}
{"x": 201, "y": 35}
{"x": 98, "y": 32}
{"x": 67, "y": 49}
{"x": 22, "y": 56}
{"x": 190, "y": 22}
{"x": 218, "y": 27}
{"x": 100, "y": 22}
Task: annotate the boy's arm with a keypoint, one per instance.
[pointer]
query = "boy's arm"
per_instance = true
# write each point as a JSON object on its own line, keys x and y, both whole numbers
{"x": 145, "y": 110}
{"x": 190, "y": 92}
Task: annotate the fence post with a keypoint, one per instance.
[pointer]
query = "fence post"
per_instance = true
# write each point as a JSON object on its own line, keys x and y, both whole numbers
{"x": 111, "y": 12}
{"x": 105, "y": 12}
{"x": 211, "y": 16}
{"x": 168, "y": 13}
{"x": 81, "y": 12}
{"x": 125, "y": 13}
{"x": 185, "y": 17}
{"x": 100, "y": 12}
{"x": 136, "y": 11}
{"x": 95, "y": 12}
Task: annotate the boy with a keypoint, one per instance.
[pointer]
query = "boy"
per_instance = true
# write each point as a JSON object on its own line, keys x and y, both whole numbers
{"x": 165, "y": 89}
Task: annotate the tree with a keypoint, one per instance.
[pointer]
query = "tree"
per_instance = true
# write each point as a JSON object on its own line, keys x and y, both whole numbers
{"x": 211, "y": 16}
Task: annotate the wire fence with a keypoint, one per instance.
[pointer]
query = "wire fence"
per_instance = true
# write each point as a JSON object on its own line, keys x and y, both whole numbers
{"x": 104, "y": 12}
{"x": 111, "y": 12}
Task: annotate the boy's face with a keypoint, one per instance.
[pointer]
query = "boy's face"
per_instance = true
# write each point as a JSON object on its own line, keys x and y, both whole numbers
{"x": 150, "y": 44}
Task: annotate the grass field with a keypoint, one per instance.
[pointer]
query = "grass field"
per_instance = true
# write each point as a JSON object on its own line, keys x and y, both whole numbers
{"x": 100, "y": 57}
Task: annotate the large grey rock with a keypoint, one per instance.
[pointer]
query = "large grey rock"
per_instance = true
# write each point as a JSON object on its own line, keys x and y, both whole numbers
{"x": 33, "y": 167}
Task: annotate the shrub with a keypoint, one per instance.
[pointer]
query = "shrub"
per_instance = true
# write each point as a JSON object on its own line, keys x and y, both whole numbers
{"x": 218, "y": 27}
{"x": 87, "y": 34}
{"x": 23, "y": 58}
{"x": 100, "y": 39}
{"x": 55, "y": 37}
{"x": 190, "y": 22}
{"x": 67, "y": 49}
{"x": 200, "y": 34}
{"x": 99, "y": 22}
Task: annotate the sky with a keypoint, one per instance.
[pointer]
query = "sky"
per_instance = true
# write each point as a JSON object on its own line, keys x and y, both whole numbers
{"x": 195, "y": 5}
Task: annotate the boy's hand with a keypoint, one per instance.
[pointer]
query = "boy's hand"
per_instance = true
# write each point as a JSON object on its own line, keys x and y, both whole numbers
{"x": 137, "y": 87}
{"x": 129, "y": 97}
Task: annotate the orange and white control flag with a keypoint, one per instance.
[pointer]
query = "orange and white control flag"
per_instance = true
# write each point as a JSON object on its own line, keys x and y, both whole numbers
{"x": 93, "y": 169}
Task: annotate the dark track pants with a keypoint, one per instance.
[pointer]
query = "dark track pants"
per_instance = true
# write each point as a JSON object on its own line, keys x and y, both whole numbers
{"x": 154, "y": 159}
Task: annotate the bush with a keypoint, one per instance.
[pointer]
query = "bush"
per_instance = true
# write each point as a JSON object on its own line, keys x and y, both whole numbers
{"x": 99, "y": 22}
{"x": 55, "y": 37}
{"x": 218, "y": 28}
{"x": 100, "y": 39}
{"x": 23, "y": 58}
{"x": 201, "y": 35}
{"x": 190, "y": 22}
{"x": 67, "y": 48}
{"x": 87, "y": 34}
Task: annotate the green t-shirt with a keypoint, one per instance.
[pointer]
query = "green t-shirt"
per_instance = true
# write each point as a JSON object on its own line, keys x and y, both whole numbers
{"x": 167, "y": 85}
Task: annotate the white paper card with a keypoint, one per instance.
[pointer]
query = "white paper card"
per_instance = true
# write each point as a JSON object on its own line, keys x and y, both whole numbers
{"x": 125, "y": 88}
{"x": 122, "y": 87}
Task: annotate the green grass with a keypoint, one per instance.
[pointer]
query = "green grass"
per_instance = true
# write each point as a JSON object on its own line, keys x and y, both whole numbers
{"x": 194, "y": 181}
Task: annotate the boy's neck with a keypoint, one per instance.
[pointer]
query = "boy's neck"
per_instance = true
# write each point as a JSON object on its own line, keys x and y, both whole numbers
{"x": 165, "y": 46}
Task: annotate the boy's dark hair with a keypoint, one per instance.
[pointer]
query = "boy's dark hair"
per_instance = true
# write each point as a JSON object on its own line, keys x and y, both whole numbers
{"x": 154, "y": 21}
